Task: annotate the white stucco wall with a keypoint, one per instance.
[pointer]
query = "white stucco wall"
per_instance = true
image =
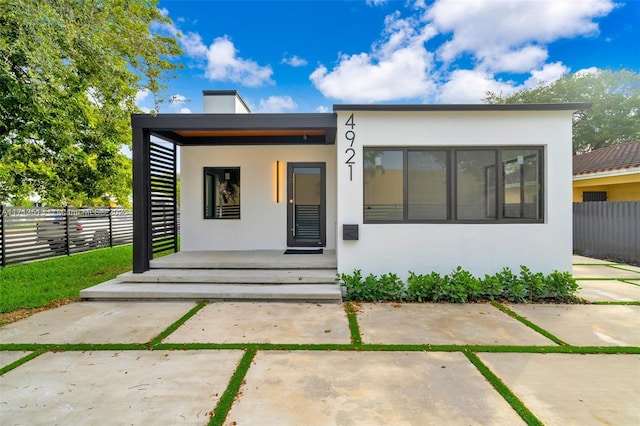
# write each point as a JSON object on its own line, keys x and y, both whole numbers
{"x": 216, "y": 103}
{"x": 263, "y": 221}
{"x": 480, "y": 248}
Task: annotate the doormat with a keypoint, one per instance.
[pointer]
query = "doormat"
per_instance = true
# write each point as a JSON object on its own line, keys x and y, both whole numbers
{"x": 311, "y": 251}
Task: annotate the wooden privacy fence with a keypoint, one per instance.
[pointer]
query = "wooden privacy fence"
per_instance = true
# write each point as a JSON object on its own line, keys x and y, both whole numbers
{"x": 30, "y": 233}
{"x": 607, "y": 230}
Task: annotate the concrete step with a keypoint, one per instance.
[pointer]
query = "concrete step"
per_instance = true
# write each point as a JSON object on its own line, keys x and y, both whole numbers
{"x": 252, "y": 259}
{"x": 117, "y": 290}
{"x": 235, "y": 276}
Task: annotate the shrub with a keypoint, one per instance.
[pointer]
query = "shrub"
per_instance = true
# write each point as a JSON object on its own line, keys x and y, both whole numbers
{"x": 491, "y": 287}
{"x": 461, "y": 286}
{"x": 418, "y": 289}
{"x": 534, "y": 283}
{"x": 390, "y": 288}
{"x": 561, "y": 286}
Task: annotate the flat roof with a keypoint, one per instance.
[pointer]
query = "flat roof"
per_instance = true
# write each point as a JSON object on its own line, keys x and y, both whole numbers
{"x": 240, "y": 129}
{"x": 463, "y": 107}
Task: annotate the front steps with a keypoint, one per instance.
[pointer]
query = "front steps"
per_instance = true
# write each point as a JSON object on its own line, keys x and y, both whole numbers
{"x": 291, "y": 285}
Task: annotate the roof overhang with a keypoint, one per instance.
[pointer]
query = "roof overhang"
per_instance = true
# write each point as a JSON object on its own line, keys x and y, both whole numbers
{"x": 240, "y": 129}
{"x": 607, "y": 173}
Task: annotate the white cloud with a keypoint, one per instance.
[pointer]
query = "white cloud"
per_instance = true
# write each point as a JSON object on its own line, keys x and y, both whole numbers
{"x": 322, "y": 108}
{"x": 546, "y": 75}
{"x": 178, "y": 99}
{"x": 515, "y": 61}
{"x": 398, "y": 67}
{"x": 376, "y": 2}
{"x": 223, "y": 64}
{"x": 276, "y": 104}
{"x": 139, "y": 100}
{"x": 176, "y": 104}
{"x": 471, "y": 87}
{"x": 294, "y": 61}
{"x": 193, "y": 46}
{"x": 220, "y": 60}
{"x": 481, "y": 25}
{"x": 141, "y": 95}
{"x": 587, "y": 71}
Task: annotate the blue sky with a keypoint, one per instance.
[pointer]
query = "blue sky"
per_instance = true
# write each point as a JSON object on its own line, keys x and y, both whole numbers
{"x": 305, "y": 55}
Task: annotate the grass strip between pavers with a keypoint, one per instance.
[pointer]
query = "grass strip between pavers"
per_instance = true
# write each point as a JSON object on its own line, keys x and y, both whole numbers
{"x": 354, "y": 328}
{"x": 74, "y": 347}
{"x": 623, "y": 267}
{"x": 628, "y": 281}
{"x": 395, "y": 348}
{"x": 529, "y": 324}
{"x": 616, "y": 303}
{"x": 322, "y": 347}
{"x": 504, "y": 390}
{"x": 226, "y": 400}
{"x": 21, "y": 361}
{"x": 173, "y": 327}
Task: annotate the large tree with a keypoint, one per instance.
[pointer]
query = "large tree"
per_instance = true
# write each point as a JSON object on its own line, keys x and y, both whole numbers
{"x": 69, "y": 73}
{"x": 613, "y": 118}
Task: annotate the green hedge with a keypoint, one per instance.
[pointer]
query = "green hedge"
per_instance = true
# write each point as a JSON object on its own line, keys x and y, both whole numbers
{"x": 461, "y": 286}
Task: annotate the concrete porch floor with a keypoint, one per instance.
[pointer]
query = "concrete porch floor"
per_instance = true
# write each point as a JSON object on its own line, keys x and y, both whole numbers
{"x": 245, "y": 259}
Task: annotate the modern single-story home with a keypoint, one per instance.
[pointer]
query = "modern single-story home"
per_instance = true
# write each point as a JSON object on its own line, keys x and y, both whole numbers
{"x": 607, "y": 174}
{"x": 389, "y": 188}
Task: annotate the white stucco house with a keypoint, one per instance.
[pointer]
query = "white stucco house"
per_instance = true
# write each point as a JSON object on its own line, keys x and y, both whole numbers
{"x": 390, "y": 188}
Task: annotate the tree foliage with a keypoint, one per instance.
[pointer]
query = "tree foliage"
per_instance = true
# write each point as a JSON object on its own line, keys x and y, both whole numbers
{"x": 614, "y": 117}
{"x": 69, "y": 73}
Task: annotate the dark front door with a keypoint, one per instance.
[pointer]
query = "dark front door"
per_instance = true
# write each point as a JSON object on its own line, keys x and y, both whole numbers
{"x": 306, "y": 211}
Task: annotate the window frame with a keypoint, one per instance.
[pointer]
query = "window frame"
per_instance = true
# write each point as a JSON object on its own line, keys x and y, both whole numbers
{"x": 451, "y": 184}
{"x": 207, "y": 171}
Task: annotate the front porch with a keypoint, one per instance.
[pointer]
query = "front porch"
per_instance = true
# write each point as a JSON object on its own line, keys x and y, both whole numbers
{"x": 228, "y": 275}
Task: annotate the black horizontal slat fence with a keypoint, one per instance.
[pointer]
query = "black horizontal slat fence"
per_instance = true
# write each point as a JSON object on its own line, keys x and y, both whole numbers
{"x": 32, "y": 233}
{"x": 607, "y": 230}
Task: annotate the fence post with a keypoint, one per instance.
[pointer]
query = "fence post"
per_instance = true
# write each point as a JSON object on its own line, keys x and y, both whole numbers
{"x": 3, "y": 242}
{"x": 110, "y": 226}
{"x": 67, "y": 244}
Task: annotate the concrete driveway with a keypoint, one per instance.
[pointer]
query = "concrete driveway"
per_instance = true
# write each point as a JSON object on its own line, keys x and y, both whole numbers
{"x": 275, "y": 363}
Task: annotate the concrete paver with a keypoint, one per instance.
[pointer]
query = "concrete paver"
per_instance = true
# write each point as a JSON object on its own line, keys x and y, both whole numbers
{"x": 96, "y": 322}
{"x": 608, "y": 291}
{"x": 565, "y": 389}
{"x": 117, "y": 388}
{"x": 636, "y": 282}
{"x": 443, "y": 324}
{"x": 602, "y": 271}
{"x": 9, "y": 357}
{"x": 587, "y": 325}
{"x": 246, "y": 322}
{"x": 628, "y": 268}
{"x": 577, "y": 259}
{"x": 368, "y": 388}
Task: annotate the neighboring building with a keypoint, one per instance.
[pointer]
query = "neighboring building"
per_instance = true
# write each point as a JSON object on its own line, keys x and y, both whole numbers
{"x": 390, "y": 188}
{"x": 608, "y": 174}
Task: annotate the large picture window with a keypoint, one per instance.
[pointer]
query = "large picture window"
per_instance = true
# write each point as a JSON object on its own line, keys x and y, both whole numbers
{"x": 222, "y": 193}
{"x": 444, "y": 184}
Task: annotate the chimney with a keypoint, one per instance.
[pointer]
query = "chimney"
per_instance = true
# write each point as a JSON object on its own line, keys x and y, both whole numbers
{"x": 224, "y": 102}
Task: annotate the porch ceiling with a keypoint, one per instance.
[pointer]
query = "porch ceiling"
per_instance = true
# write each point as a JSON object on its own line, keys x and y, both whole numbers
{"x": 240, "y": 129}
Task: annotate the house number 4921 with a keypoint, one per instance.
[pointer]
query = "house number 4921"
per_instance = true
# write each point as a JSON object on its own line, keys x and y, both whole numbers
{"x": 350, "y": 135}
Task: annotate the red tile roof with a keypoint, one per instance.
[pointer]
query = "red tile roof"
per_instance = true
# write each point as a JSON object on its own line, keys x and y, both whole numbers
{"x": 615, "y": 157}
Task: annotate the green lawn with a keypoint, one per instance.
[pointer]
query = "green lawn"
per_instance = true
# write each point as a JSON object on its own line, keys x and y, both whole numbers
{"x": 38, "y": 284}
